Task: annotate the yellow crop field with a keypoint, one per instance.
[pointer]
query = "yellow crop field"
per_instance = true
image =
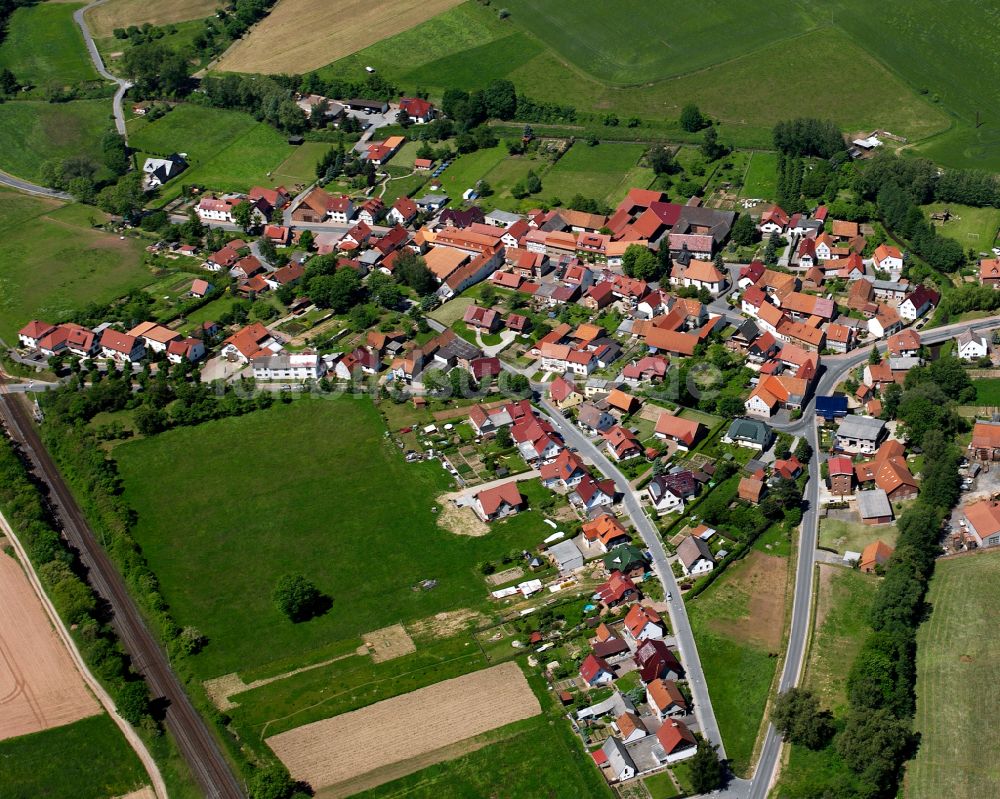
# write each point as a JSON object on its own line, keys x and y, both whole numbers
{"x": 103, "y": 19}
{"x": 300, "y": 35}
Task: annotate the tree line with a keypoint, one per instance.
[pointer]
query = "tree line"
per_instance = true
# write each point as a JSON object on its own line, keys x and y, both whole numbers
{"x": 876, "y": 737}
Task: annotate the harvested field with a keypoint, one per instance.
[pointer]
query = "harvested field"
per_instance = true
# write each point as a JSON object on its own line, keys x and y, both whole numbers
{"x": 40, "y": 687}
{"x": 445, "y": 625}
{"x": 506, "y": 576}
{"x": 103, "y": 19}
{"x": 331, "y": 751}
{"x": 312, "y": 33}
{"x": 389, "y": 643}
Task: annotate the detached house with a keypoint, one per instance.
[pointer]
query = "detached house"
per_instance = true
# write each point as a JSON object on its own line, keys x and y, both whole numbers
{"x": 121, "y": 347}
{"x": 591, "y": 494}
{"x": 496, "y": 503}
{"x": 596, "y": 671}
{"x": 971, "y": 346}
{"x": 675, "y": 428}
{"x": 643, "y": 623}
{"x": 606, "y": 532}
{"x": 676, "y": 741}
{"x": 917, "y": 303}
{"x": 618, "y": 590}
{"x": 668, "y": 492}
{"x": 665, "y": 699}
{"x": 695, "y": 557}
{"x": 700, "y": 275}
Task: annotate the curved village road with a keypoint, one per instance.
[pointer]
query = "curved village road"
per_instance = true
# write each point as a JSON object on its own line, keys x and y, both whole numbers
{"x": 837, "y": 368}
{"x": 95, "y": 56}
{"x": 194, "y": 740}
{"x": 32, "y": 188}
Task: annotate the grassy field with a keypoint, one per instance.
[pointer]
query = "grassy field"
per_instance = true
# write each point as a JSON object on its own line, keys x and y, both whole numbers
{"x": 469, "y": 168}
{"x": 841, "y": 536}
{"x": 227, "y": 150}
{"x": 605, "y": 172}
{"x": 738, "y": 622}
{"x": 300, "y": 32}
{"x": 43, "y": 46}
{"x": 88, "y": 759}
{"x": 34, "y": 132}
{"x": 103, "y": 19}
{"x": 632, "y": 41}
{"x": 181, "y": 39}
{"x": 987, "y": 391}
{"x": 761, "y": 178}
{"x": 533, "y": 758}
{"x": 840, "y": 628}
{"x": 467, "y": 46}
{"x": 971, "y": 227}
{"x": 52, "y": 261}
{"x": 360, "y": 526}
{"x": 964, "y": 146}
{"x": 953, "y": 647}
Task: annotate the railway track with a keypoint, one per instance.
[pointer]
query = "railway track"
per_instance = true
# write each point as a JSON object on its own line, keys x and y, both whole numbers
{"x": 194, "y": 740}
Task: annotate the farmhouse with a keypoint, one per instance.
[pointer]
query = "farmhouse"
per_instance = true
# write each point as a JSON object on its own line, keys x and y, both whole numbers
{"x": 498, "y": 502}
{"x": 874, "y": 506}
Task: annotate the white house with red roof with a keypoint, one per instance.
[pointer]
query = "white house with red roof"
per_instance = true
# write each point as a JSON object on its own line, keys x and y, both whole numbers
{"x": 121, "y": 347}
{"x": 773, "y": 220}
{"x": 596, "y": 671}
{"x": 32, "y": 333}
{"x": 403, "y": 211}
{"x": 248, "y": 343}
{"x": 498, "y": 502}
{"x": 591, "y": 494}
{"x": 417, "y": 109}
{"x": 888, "y": 258}
{"x": 185, "y": 349}
{"x": 643, "y": 623}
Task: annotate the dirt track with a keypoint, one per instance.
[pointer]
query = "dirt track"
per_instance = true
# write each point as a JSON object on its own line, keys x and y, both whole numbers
{"x": 40, "y": 687}
{"x": 348, "y": 746}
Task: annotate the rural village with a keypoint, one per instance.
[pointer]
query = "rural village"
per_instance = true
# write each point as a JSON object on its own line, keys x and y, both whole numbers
{"x": 451, "y": 449}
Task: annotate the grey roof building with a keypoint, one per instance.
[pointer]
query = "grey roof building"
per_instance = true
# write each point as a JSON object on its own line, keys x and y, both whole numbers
{"x": 874, "y": 505}
{"x": 619, "y": 760}
{"x": 567, "y": 556}
{"x": 751, "y": 433}
{"x": 859, "y": 434}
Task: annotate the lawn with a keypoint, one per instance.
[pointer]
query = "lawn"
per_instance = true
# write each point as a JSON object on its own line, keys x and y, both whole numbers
{"x": 300, "y": 166}
{"x": 844, "y": 596}
{"x": 320, "y": 492}
{"x": 953, "y": 648}
{"x": 226, "y": 150}
{"x": 538, "y": 757}
{"x": 410, "y": 186}
{"x": 840, "y": 536}
{"x": 44, "y": 47}
{"x": 660, "y": 786}
{"x": 467, "y": 169}
{"x": 987, "y": 391}
{"x": 738, "y": 623}
{"x": 605, "y": 172}
{"x": 52, "y": 262}
{"x": 974, "y": 228}
{"x": 88, "y": 759}
{"x": 761, "y": 178}
{"x": 32, "y": 133}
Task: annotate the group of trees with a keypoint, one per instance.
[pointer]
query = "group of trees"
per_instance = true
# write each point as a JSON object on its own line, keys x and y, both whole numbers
{"x": 809, "y": 137}
{"x": 341, "y": 290}
{"x": 925, "y": 182}
{"x": 268, "y": 99}
{"x": 642, "y": 263}
{"x": 904, "y": 218}
{"x": 875, "y": 737}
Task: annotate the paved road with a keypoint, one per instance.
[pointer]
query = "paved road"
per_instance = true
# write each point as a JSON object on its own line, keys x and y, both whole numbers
{"x": 32, "y": 188}
{"x": 675, "y": 605}
{"x": 194, "y": 740}
{"x": 95, "y": 56}
{"x": 836, "y": 370}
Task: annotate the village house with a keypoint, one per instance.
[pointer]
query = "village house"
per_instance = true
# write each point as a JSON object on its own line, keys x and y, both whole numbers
{"x": 605, "y": 532}
{"x": 669, "y": 492}
{"x": 841, "y": 475}
{"x": 889, "y": 471}
{"x": 971, "y": 346}
{"x": 888, "y": 258}
{"x": 699, "y": 275}
{"x": 121, "y": 347}
{"x": 564, "y": 471}
{"x": 665, "y": 699}
{"x": 859, "y": 434}
{"x": 591, "y": 494}
{"x": 484, "y": 319}
{"x": 305, "y": 365}
{"x": 694, "y": 556}
{"x": 617, "y": 590}
{"x": 628, "y": 559}
{"x": 498, "y": 502}
{"x": 595, "y": 671}
{"x": 622, "y": 443}
{"x": 749, "y": 433}
{"x": 917, "y": 303}
{"x": 643, "y": 623}
{"x": 676, "y": 741}
{"x": 185, "y": 350}
{"x": 989, "y": 272}
{"x": 630, "y": 727}
{"x": 153, "y": 336}
{"x": 248, "y": 343}
{"x": 564, "y": 393}
{"x": 656, "y": 661}
{"x": 684, "y": 432}
{"x": 615, "y": 758}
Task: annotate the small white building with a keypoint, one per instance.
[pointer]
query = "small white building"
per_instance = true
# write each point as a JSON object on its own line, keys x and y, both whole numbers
{"x": 695, "y": 557}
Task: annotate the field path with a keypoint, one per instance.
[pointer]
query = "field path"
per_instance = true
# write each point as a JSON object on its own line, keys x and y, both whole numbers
{"x": 158, "y": 786}
{"x": 95, "y": 56}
